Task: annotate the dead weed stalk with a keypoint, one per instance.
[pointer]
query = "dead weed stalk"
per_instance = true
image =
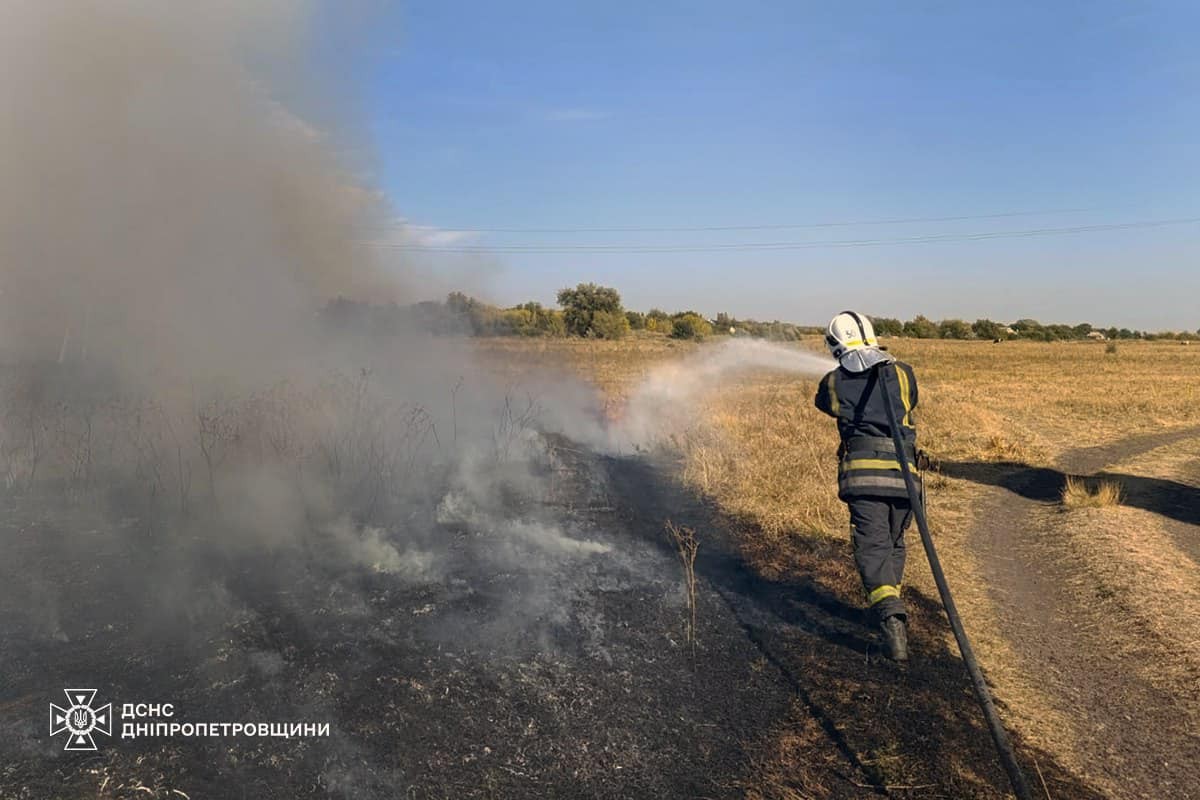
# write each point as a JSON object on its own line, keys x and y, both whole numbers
{"x": 686, "y": 546}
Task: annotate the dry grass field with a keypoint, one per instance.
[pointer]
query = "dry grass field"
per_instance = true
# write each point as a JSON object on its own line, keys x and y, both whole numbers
{"x": 1053, "y": 575}
{"x": 622, "y": 572}
{"x": 760, "y": 449}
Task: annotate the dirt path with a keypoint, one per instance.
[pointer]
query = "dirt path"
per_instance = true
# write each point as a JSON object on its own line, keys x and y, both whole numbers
{"x": 1132, "y": 737}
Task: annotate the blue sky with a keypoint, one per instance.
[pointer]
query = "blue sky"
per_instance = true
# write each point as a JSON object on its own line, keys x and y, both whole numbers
{"x": 690, "y": 114}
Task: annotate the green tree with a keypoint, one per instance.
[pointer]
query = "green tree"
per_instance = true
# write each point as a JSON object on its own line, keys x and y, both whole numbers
{"x": 459, "y": 303}
{"x": 921, "y": 327}
{"x": 954, "y": 329}
{"x": 637, "y": 320}
{"x": 690, "y": 325}
{"x": 534, "y": 319}
{"x": 888, "y": 326}
{"x": 553, "y": 324}
{"x": 609, "y": 325}
{"x": 659, "y": 321}
{"x": 1058, "y": 332}
{"x": 659, "y": 325}
{"x": 582, "y": 303}
{"x": 986, "y": 329}
{"x": 1029, "y": 329}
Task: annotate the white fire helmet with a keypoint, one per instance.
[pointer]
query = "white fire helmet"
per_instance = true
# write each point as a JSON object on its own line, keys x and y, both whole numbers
{"x": 851, "y": 339}
{"x": 848, "y": 331}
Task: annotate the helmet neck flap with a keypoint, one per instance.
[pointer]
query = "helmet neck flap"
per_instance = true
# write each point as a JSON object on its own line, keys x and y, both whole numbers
{"x": 851, "y": 339}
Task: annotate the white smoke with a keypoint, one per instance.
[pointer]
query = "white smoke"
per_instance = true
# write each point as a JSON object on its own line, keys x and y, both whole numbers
{"x": 667, "y": 401}
{"x": 370, "y": 547}
{"x": 169, "y": 229}
{"x": 163, "y": 214}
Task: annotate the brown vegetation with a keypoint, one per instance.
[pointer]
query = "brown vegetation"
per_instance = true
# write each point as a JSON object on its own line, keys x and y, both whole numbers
{"x": 760, "y": 451}
{"x": 1080, "y": 493}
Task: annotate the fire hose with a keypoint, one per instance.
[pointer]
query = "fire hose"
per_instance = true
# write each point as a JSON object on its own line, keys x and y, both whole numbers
{"x": 1008, "y": 759}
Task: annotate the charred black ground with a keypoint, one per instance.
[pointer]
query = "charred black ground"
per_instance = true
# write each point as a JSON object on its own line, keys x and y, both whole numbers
{"x": 431, "y": 691}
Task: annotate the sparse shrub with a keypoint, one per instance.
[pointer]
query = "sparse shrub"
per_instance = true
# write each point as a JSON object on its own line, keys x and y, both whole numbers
{"x": 1076, "y": 493}
{"x": 535, "y": 320}
{"x": 554, "y": 324}
{"x": 658, "y": 321}
{"x": 954, "y": 329}
{"x": 921, "y": 327}
{"x": 1111, "y": 348}
{"x": 690, "y": 325}
{"x": 609, "y": 325}
{"x": 887, "y": 326}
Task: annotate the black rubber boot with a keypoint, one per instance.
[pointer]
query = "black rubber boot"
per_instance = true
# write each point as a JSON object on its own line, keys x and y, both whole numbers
{"x": 895, "y": 638}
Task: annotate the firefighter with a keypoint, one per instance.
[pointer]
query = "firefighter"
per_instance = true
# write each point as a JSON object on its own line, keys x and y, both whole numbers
{"x": 869, "y": 478}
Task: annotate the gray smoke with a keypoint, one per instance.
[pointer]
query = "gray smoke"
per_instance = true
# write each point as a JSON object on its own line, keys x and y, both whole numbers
{"x": 209, "y": 484}
{"x": 169, "y": 230}
{"x": 162, "y": 213}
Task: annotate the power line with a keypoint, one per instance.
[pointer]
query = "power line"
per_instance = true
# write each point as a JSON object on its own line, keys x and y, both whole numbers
{"x": 777, "y": 227}
{"x": 751, "y": 246}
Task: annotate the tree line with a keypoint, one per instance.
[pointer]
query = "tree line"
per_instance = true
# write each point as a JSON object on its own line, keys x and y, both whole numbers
{"x": 596, "y": 312}
{"x": 586, "y": 310}
{"x": 921, "y": 327}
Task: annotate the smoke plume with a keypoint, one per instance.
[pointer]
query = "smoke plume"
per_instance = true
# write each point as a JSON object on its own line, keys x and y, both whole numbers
{"x": 168, "y": 232}
{"x": 669, "y": 398}
{"x": 163, "y": 214}
{"x": 209, "y": 487}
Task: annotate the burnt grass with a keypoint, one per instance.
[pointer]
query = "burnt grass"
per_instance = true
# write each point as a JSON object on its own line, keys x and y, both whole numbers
{"x": 520, "y": 676}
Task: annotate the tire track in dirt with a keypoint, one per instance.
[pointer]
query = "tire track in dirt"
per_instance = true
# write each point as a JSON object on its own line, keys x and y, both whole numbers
{"x": 1130, "y": 735}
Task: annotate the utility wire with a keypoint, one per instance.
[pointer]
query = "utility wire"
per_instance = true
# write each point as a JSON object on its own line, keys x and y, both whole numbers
{"x": 778, "y": 227}
{"x": 782, "y": 245}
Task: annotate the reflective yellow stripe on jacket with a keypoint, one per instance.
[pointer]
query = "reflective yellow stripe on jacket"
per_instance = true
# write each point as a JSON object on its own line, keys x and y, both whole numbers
{"x": 905, "y": 397}
{"x": 876, "y": 463}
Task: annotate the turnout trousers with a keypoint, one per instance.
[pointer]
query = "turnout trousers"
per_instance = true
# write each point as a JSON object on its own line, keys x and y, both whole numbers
{"x": 877, "y": 526}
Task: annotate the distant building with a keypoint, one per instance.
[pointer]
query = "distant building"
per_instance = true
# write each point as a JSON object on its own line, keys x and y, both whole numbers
{"x": 1097, "y": 336}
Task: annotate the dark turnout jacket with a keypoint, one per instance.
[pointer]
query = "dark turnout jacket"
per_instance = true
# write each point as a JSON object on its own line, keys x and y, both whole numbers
{"x": 868, "y": 466}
